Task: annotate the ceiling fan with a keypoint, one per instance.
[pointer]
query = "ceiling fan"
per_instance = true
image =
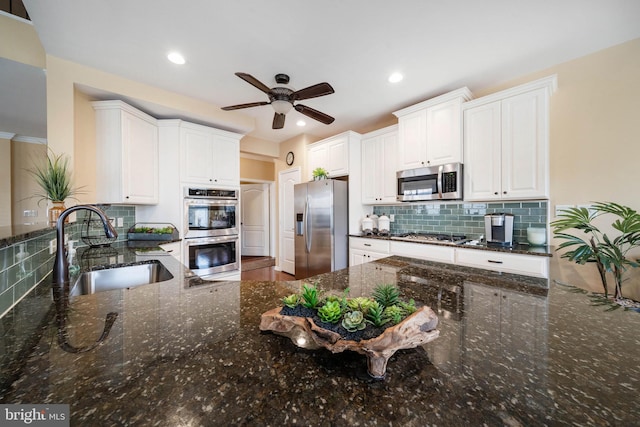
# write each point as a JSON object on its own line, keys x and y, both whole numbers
{"x": 282, "y": 98}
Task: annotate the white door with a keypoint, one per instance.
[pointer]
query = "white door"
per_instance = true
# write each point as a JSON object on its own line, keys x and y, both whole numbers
{"x": 254, "y": 211}
{"x": 286, "y": 180}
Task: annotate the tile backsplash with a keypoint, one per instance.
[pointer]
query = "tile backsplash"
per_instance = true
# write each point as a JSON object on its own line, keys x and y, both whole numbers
{"x": 26, "y": 263}
{"x": 463, "y": 218}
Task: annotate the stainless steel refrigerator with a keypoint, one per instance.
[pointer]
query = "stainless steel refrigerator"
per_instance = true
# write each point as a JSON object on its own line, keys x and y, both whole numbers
{"x": 321, "y": 218}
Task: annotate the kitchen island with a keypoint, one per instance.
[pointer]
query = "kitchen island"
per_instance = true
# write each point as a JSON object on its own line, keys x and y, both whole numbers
{"x": 189, "y": 352}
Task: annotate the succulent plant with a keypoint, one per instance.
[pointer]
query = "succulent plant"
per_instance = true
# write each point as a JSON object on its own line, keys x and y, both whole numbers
{"x": 375, "y": 316}
{"x": 291, "y": 300}
{"x": 354, "y": 321}
{"x": 408, "y": 307}
{"x": 386, "y": 295}
{"x": 330, "y": 312}
{"x": 309, "y": 296}
{"x": 360, "y": 303}
{"x": 394, "y": 313}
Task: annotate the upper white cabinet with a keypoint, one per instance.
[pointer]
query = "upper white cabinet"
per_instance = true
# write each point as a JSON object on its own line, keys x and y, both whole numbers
{"x": 506, "y": 143}
{"x": 209, "y": 156}
{"x": 126, "y": 154}
{"x": 332, "y": 154}
{"x": 379, "y": 162}
{"x": 430, "y": 133}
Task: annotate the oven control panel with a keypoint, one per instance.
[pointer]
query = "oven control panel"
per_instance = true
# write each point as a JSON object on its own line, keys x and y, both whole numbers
{"x": 210, "y": 193}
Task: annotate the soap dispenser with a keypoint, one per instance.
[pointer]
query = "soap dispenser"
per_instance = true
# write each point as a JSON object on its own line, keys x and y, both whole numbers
{"x": 71, "y": 254}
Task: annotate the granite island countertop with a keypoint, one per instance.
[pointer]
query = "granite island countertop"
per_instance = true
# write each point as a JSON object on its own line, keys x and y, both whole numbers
{"x": 189, "y": 352}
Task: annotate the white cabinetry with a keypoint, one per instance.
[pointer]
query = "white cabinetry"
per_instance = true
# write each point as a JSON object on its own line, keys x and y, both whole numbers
{"x": 379, "y": 152}
{"x": 506, "y": 143}
{"x": 332, "y": 154}
{"x": 126, "y": 154}
{"x": 438, "y": 253}
{"x": 363, "y": 250}
{"x": 429, "y": 133}
{"x": 530, "y": 265}
{"x": 209, "y": 156}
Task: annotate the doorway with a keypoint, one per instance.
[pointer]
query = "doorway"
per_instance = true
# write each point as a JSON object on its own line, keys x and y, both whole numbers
{"x": 287, "y": 251}
{"x": 255, "y": 220}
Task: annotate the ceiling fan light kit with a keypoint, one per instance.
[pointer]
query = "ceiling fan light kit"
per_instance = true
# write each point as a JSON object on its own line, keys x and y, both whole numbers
{"x": 282, "y": 99}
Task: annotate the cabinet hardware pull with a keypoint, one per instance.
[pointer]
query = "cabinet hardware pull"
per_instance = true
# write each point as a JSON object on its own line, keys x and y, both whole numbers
{"x": 496, "y": 193}
{"x": 367, "y": 244}
{"x": 494, "y": 261}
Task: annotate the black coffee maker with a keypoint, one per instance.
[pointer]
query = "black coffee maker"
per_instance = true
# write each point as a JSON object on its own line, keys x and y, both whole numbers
{"x": 499, "y": 229}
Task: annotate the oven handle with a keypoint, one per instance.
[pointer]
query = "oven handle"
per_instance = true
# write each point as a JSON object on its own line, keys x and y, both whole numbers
{"x": 307, "y": 223}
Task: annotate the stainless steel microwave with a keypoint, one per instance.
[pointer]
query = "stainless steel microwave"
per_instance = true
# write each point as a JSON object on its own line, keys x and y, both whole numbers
{"x": 442, "y": 182}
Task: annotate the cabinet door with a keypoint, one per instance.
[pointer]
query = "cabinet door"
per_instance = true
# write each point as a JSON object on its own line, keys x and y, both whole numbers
{"x": 338, "y": 157}
{"x": 482, "y": 152}
{"x": 139, "y": 160}
{"x": 226, "y": 161}
{"x": 371, "y": 161}
{"x": 317, "y": 158}
{"x": 444, "y": 140}
{"x": 412, "y": 140}
{"x": 197, "y": 156}
{"x": 524, "y": 147}
{"x": 387, "y": 182}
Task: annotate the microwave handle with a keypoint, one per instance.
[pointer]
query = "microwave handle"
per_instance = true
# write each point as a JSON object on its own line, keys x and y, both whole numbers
{"x": 439, "y": 181}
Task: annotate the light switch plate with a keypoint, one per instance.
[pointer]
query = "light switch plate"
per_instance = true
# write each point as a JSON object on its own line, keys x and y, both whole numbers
{"x": 560, "y": 208}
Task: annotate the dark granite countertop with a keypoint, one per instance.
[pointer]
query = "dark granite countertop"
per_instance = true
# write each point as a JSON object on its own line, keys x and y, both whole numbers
{"x": 516, "y": 248}
{"x": 189, "y": 352}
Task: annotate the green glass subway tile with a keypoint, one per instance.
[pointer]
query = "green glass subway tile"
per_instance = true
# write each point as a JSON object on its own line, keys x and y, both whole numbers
{"x": 457, "y": 223}
{"x": 530, "y": 204}
{"x": 7, "y": 257}
{"x": 4, "y": 281}
{"x": 6, "y": 300}
{"x": 512, "y": 205}
{"x": 445, "y": 212}
{"x": 22, "y": 288}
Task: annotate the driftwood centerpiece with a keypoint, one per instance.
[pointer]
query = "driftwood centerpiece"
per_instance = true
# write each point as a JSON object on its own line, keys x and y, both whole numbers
{"x": 416, "y": 329}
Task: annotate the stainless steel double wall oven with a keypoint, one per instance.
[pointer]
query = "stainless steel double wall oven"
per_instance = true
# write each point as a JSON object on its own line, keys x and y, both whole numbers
{"x": 211, "y": 231}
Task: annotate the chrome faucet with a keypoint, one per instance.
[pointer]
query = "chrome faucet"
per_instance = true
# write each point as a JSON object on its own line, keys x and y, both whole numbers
{"x": 61, "y": 264}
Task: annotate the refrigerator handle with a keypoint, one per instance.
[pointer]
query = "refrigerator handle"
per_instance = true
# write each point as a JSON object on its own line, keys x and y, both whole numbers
{"x": 307, "y": 225}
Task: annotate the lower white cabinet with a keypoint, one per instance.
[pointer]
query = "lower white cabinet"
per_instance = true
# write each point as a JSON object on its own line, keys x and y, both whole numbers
{"x": 363, "y": 250}
{"x": 421, "y": 251}
{"x": 530, "y": 265}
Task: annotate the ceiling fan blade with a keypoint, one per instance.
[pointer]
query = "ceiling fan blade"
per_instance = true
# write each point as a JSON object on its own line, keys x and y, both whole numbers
{"x": 253, "y": 81}
{"x": 321, "y": 89}
{"x": 314, "y": 114}
{"x": 249, "y": 105}
{"x": 278, "y": 121}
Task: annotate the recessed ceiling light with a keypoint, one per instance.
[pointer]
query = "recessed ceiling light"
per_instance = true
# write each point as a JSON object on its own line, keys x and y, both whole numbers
{"x": 301, "y": 123}
{"x": 395, "y": 78}
{"x": 176, "y": 58}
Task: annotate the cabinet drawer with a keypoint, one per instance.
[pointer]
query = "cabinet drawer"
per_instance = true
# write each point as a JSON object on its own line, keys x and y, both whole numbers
{"x": 423, "y": 251}
{"x": 369, "y": 245}
{"x": 509, "y": 263}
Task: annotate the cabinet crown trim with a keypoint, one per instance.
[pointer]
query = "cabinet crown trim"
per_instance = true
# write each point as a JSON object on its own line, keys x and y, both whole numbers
{"x": 348, "y": 134}
{"x": 464, "y": 93}
{"x": 113, "y": 104}
{"x": 378, "y": 132}
{"x": 549, "y": 83}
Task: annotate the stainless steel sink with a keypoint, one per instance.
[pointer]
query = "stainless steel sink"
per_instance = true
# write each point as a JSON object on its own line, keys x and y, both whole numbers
{"x": 120, "y": 277}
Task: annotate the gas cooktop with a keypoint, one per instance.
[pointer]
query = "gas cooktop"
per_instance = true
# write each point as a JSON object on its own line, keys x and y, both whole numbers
{"x": 452, "y": 239}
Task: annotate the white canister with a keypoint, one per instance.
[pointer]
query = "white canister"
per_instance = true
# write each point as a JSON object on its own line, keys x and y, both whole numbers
{"x": 537, "y": 236}
{"x": 374, "y": 218}
{"x": 383, "y": 224}
{"x": 367, "y": 225}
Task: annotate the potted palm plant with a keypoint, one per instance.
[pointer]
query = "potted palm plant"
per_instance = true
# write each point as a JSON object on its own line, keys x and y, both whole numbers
{"x": 588, "y": 244}
{"x": 54, "y": 178}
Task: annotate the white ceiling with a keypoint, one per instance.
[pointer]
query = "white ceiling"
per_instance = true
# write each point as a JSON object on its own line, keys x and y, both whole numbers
{"x": 354, "y": 45}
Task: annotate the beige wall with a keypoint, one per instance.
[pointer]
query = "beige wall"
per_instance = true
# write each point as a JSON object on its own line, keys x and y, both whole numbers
{"x": 20, "y": 42}
{"x": 256, "y": 170}
{"x": 5, "y": 181}
{"x": 84, "y": 146}
{"x": 24, "y": 155}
